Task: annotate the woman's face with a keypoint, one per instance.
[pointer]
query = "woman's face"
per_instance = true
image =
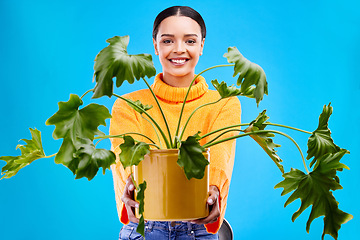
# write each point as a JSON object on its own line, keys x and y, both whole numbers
{"x": 179, "y": 44}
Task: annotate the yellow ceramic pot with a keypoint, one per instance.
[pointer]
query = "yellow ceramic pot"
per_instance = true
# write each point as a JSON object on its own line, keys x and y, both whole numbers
{"x": 169, "y": 195}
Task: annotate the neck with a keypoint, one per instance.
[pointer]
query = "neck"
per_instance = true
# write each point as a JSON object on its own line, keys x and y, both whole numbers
{"x": 174, "y": 81}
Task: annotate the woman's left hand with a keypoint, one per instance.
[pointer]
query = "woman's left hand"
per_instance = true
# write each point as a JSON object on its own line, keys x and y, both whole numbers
{"x": 213, "y": 202}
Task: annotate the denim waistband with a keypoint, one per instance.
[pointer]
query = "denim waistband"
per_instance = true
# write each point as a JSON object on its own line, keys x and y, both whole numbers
{"x": 173, "y": 226}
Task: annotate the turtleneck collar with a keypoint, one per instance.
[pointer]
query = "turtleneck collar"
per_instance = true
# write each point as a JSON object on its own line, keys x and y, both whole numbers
{"x": 176, "y": 94}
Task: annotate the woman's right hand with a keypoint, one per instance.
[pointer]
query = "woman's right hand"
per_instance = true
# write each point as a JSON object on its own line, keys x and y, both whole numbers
{"x": 128, "y": 200}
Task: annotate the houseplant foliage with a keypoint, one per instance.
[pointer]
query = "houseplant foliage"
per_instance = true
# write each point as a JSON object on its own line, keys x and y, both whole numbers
{"x": 78, "y": 126}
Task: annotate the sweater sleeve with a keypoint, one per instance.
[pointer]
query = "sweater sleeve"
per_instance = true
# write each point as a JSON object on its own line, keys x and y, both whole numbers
{"x": 222, "y": 156}
{"x": 124, "y": 120}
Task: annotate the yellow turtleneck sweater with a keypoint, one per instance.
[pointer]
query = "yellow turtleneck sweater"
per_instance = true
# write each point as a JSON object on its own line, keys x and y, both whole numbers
{"x": 224, "y": 113}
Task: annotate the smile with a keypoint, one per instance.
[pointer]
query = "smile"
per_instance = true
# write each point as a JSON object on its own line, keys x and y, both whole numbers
{"x": 179, "y": 60}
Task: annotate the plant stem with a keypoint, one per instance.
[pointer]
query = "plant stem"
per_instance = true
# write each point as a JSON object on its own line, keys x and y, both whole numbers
{"x": 157, "y": 102}
{"x": 157, "y": 135}
{"x": 122, "y": 135}
{"x": 156, "y": 124}
{"x": 187, "y": 122}
{"x": 50, "y": 156}
{"x": 284, "y": 126}
{"x": 230, "y": 130}
{"x": 192, "y": 82}
{"x": 154, "y": 145}
{"x": 91, "y": 90}
{"x": 224, "y": 128}
{"x": 207, "y": 145}
{"x": 133, "y": 180}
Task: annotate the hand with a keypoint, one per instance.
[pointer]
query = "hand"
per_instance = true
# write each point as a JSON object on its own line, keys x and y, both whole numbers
{"x": 128, "y": 199}
{"x": 213, "y": 202}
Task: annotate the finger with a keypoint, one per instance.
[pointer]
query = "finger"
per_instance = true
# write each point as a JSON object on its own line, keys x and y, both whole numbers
{"x": 214, "y": 195}
{"x": 214, "y": 213}
{"x": 214, "y": 189}
{"x": 130, "y": 188}
{"x": 204, "y": 221}
{"x": 213, "y": 217}
{"x": 212, "y": 199}
{"x": 208, "y": 219}
{"x": 129, "y": 202}
{"x": 130, "y": 206}
{"x": 131, "y": 214}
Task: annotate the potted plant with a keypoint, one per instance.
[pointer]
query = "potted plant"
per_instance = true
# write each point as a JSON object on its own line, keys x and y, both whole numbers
{"x": 78, "y": 127}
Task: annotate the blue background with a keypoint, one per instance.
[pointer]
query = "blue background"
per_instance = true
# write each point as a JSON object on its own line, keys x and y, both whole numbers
{"x": 308, "y": 49}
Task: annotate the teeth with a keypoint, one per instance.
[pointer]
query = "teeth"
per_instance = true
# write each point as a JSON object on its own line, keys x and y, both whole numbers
{"x": 178, "y": 60}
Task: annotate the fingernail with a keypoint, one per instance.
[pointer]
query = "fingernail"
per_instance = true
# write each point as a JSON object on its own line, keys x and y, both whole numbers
{"x": 210, "y": 201}
{"x": 137, "y": 205}
{"x": 131, "y": 187}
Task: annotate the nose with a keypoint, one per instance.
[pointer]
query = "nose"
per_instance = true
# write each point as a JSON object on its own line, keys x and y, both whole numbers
{"x": 179, "y": 47}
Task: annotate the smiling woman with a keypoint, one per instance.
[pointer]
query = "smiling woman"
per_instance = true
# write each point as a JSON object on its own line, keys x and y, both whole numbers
{"x": 178, "y": 37}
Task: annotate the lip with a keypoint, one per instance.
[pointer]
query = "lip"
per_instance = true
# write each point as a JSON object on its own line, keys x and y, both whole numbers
{"x": 178, "y": 61}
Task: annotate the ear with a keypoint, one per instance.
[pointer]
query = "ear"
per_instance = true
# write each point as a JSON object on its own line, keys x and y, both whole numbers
{"x": 202, "y": 46}
{"x": 155, "y": 47}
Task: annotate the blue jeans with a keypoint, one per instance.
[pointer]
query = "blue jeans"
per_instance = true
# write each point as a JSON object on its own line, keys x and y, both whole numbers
{"x": 155, "y": 230}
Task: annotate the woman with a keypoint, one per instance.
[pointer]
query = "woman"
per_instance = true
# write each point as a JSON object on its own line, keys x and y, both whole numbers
{"x": 178, "y": 36}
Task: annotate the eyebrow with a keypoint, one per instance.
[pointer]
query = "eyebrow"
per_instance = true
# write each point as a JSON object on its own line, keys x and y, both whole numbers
{"x": 172, "y": 35}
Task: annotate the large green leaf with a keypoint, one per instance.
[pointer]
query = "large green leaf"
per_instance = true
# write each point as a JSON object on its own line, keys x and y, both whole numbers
{"x": 132, "y": 153}
{"x": 138, "y": 106}
{"x": 91, "y": 159}
{"x": 30, "y": 152}
{"x": 316, "y": 189}
{"x": 320, "y": 142}
{"x": 226, "y": 91}
{"x": 191, "y": 157}
{"x": 140, "y": 197}
{"x": 75, "y": 126}
{"x": 252, "y": 78}
{"x": 264, "y": 139}
{"x": 114, "y": 61}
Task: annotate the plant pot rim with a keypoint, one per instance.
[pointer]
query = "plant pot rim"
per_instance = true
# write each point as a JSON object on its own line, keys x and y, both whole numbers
{"x": 175, "y": 150}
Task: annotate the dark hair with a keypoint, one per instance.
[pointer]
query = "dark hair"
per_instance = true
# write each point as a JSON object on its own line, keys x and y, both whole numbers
{"x": 179, "y": 11}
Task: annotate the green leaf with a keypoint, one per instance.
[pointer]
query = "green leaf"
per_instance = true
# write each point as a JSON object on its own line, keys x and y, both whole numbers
{"x": 114, "y": 61}
{"x": 226, "y": 91}
{"x": 260, "y": 120}
{"x": 83, "y": 123}
{"x": 91, "y": 159}
{"x": 30, "y": 152}
{"x": 316, "y": 189}
{"x": 132, "y": 153}
{"x": 191, "y": 157}
{"x": 66, "y": 154}
{"x": 140, "y": 198}
{"x": 77, "y": 126}
{"x": 250, "y": 74}
{"x": 264, "y": 139}
{"x": 138, "y": 106}
{"x": 320, "y": 142}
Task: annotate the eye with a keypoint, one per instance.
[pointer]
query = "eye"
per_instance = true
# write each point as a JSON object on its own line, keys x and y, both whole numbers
{"x": 190, "y": 41}
{"x": 167, "y": 41}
